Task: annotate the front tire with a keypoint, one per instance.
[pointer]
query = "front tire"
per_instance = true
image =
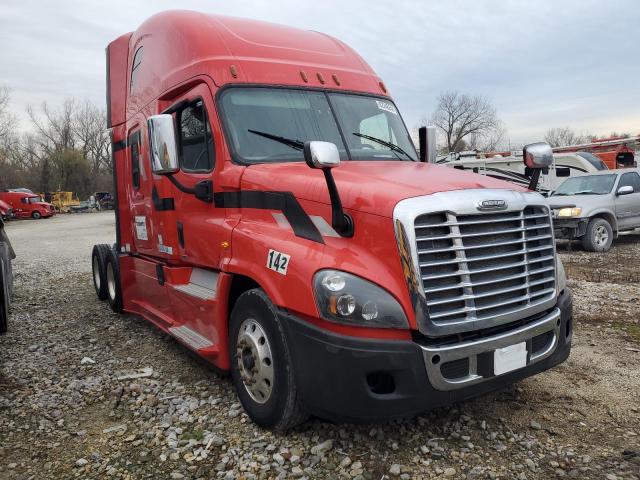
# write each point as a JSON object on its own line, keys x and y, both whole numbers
{"x": 112, "y": 274}
{"x": 36, "y": 215}
{"x": 599, "y": 236}
{"x": 261, "y": 367}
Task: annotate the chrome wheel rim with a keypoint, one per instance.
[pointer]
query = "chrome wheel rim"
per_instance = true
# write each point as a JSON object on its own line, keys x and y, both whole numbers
{"x": 96, "y": 272}
{"x": 111, "y": 282}
{"x": 601, "y": 236}
{"x": 253, "y": 354}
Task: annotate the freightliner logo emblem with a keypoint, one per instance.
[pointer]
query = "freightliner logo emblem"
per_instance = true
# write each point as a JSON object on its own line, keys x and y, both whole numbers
{"x": 492, "y": 205}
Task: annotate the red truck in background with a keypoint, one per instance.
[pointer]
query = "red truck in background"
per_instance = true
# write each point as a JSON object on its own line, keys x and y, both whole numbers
{"x": 27, "y": 205}
{"x": 273, "y": 215}
{"x": 615, "y": 152}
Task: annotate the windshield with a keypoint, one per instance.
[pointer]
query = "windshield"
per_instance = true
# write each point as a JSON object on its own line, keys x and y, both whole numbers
{"x": 586, "y": 185}
{"x": 33, "y": 199}
{"x": 593, "y": 160}
{"x": 272, "y": 124}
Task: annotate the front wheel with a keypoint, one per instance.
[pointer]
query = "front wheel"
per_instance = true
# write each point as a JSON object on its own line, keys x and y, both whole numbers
{"x": 599, "y": 236}
{"x": 261, "y": 367}
{"x": 36, "y": 215}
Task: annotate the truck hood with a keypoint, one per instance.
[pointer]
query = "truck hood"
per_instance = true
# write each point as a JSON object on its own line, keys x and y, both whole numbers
{"x": 366, "y": 186}
{"x": 587, "y": 202}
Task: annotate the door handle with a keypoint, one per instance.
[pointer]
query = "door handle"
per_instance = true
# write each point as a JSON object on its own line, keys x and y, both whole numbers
{"x": 204, "y": 191}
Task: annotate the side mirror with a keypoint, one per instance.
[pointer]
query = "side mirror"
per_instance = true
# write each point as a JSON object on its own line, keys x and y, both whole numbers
{"x": 325, "y": 156}
{"x": 321, "y": 154}
{"x": 428, "y": 148}
{"x": 162, "y": 144}
{"x": 537, "y": 155}
{"x": 626, "y": 190}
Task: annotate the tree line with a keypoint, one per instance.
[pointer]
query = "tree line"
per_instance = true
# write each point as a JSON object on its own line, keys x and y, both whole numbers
{"x": 68, "y": 148}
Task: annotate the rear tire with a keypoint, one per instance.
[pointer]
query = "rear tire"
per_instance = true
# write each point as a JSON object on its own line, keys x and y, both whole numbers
{"x": 599, "y": 236}
{"x": 112, "y": 274}
{"x": 36, "y": 215}
{"x": 98, "y": 268}
{"x": 261, "y": 367}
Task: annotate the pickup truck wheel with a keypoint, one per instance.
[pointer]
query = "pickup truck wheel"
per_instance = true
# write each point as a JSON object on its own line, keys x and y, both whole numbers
{"x": 36, "y": 215}
{"x": 261, "y": 367}
{"x": 98, "y": 267}
{"x": 112, "y": 275}
{"x": 599, "y": 236}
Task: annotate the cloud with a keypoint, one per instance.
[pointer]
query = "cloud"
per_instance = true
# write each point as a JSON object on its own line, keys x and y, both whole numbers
{"x": 543, "y": 64}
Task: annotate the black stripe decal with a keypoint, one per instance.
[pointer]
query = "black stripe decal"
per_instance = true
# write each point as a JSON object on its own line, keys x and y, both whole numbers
{"x": 161, "y": 204}
{"x": 286, "y": 202}
{"x": 122, "y": 144}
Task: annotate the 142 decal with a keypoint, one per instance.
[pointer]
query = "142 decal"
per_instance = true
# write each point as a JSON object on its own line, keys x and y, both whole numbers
{"x": 278, "y": 261}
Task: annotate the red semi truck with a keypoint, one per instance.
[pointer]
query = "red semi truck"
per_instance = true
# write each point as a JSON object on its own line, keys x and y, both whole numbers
{"x": 273, "y": 215}
{"x": 27, "y": 205}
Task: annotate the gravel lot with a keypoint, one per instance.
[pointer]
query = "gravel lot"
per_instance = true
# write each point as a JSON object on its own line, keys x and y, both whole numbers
{"x": 67, "y": 412}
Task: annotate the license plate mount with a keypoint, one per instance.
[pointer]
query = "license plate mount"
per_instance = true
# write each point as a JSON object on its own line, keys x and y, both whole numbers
{"x": 509, "y": 358}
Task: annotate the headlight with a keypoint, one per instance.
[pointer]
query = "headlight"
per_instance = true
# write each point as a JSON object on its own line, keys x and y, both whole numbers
{"x": 345, "y": 298}
{"x": 569, "y": 212}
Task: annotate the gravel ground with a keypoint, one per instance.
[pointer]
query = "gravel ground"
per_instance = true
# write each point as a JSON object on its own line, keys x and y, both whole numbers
{"x": 69, "y": 410}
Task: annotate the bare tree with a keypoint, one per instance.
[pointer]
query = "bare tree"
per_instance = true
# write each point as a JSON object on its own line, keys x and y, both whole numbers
{"x": 488, "y": 141}
{"x": 459, "y": 116}
{"x": 92, "y": 136}
{"x": 563, "y": 136}
{"x": 55, "y": 127}
{"x": 7, "y": 119}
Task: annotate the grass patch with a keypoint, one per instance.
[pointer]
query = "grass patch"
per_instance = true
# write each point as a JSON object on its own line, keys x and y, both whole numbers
{"x": 631, "y": 330}
{"x": 196, "y": 434}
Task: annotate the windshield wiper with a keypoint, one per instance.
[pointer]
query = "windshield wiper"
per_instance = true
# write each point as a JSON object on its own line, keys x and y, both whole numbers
{"x": 295, "y": 144}
{"x": 391, "y": 146}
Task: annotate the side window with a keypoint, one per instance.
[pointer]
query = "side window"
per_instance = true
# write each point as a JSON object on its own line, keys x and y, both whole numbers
{"x": 24, "y": 200}
{"x": 135, "y": 68}
{"x": 630, "y": 179}
{"x": 196, "y": 142}
{"x": 135, "y": 164}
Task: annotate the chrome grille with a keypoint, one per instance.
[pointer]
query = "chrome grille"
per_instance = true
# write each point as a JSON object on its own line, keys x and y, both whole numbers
{"x": 485, "y": 265}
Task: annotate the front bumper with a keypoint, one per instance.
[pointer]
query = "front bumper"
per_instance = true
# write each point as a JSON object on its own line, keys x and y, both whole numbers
{"x": 570, "y": 228}
{"x": 346, "y": 379}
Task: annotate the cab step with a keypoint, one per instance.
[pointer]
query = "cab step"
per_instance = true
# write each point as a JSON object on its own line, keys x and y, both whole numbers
{"x": 202, "y": 284}
{"x": 190, "y": 337}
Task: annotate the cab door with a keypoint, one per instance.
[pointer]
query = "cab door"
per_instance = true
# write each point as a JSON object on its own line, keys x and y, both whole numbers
{"x": 198, "y": 221}
{"x": 199, "y": 227}
{"x": 628, "y": 206}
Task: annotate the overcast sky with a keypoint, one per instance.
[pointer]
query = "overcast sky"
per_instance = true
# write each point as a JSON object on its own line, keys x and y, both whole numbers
{"x": 543, "y": 64}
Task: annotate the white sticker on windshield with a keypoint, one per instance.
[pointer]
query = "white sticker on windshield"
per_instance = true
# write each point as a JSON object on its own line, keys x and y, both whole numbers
{"x": 386, "y": 106}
